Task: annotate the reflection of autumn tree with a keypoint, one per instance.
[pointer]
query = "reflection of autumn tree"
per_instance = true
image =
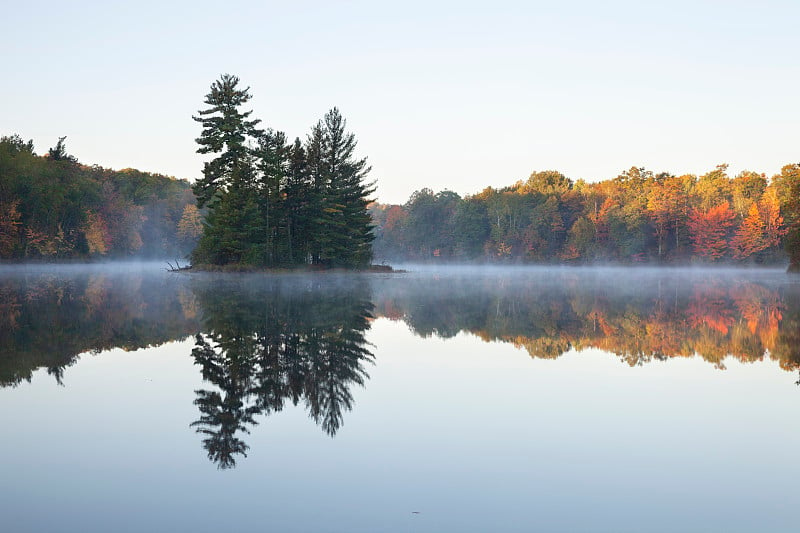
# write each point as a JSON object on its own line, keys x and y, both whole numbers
{"x": 639, "y": 320}
{"x": 709, "y": 308}
{"x": 268, "y": 342}
{"x": 47, "y": 321}
{"x": 787, "y": 339}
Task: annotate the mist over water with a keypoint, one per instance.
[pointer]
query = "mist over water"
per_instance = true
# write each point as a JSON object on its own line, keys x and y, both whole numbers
{"x": 343, "y": 402}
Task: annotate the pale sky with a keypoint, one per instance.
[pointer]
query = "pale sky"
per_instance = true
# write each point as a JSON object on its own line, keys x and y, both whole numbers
{"x": 455, "y": 95}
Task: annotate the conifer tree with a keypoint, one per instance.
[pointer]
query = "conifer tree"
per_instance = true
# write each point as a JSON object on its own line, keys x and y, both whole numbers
{"x": 271, "y": 155}
{"x": 227, "y": 185}
{"x": 275, "y": 204}
{"x": 298, "y": 205}
{"x": 346, "y": 238}
{"x": 226, "y": 131}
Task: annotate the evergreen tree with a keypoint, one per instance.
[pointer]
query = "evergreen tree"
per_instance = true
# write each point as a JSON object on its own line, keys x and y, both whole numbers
{"x": 227, "y": 185}
{"x": 346, "y": 233}
{"x": 298, "y": 205}
{"x": 317, "y": 177}
{"x": 271, "y": 155}
{"x": 226, "y": 131}
{"x": 275, "y": 204}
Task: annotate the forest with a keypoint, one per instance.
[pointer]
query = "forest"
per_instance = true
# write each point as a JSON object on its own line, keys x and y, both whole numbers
{"x": 266, "y": 202}
{"x": 637, "y": 217}
{"x": 54, "y": 208}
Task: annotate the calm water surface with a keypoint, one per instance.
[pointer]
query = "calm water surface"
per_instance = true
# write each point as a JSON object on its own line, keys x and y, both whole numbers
{"x": 435, "y": 400}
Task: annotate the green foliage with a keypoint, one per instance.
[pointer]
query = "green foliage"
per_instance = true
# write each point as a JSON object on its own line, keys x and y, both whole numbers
{"x": 272, "y": 203}
{"x": 226, "y": 131}
{"x": 53, "y": 207}
{"x": 547, "y": 182}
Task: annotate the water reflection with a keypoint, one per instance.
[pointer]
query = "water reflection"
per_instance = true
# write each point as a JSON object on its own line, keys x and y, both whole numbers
{"x": 262, "y": 342}
{"x": 269, "y": 342}
{"x": 641, "y": 318}
{"x": 47, "y": 320}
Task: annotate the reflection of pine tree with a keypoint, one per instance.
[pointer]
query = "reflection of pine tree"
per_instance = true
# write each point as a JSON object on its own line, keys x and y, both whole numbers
{"x": 335, "y": 358}
{"x": 221, "y": 419}
{"x": 223, "y": 413}
{"x": 266, "y": 344}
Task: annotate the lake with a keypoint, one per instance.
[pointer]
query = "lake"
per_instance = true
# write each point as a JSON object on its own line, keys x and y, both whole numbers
{"x": 440, "y": 399}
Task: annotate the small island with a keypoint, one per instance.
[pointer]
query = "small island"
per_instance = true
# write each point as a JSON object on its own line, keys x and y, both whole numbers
{"x": 272, "y": 204}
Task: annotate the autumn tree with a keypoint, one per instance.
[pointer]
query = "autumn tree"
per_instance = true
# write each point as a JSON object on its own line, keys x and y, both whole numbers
{"x": 761, "y": 230}
{"x": 97, "y": 235}
{"x": 547, "y": 182}
{"x": 708, "y": 230}
{"x": 9, "y": 227}
{"x": 667, "y": 204}
{"x": 747, "y": 188}
{"x": 190, "y": 226}
{"x": 714, "y": 187}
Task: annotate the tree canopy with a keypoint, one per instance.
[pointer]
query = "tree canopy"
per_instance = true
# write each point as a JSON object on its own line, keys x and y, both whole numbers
{"x": 272, "y": 202}
{"x": 639, "y": 216}
{"x": 53, "y": 207}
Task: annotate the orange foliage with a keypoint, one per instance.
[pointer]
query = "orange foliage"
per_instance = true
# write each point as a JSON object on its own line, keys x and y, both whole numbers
{"x": 708, "y": 230}
{"x": 9, "y": 227}
{"x": 762, "y": 229}
{"x": 709, "y": 308}
{"x": 97, "y": 236}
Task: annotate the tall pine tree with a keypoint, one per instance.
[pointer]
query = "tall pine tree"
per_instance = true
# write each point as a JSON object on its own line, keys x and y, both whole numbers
{"x": 345, "y": 229}
{"x": 227, "y": 185}
{"x": 226, "y": 131}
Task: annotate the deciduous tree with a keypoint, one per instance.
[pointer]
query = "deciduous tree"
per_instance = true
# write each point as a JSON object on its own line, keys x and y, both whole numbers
{"x": 708, "y": 230}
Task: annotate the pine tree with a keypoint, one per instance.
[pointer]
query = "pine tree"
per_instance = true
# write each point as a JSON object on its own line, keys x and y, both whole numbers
{"x": 298, "y": 193}
{"x": 275, "y": 204}
{"x": 226, "y": 131}
{"x": 317, "y": 178}
{"x": 347, "y": 231}
{"x": 227, "y": 185}
{"x": 271, "y": 155}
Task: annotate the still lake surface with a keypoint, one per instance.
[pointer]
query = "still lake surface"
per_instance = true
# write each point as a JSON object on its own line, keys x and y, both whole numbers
{"x": 519, "y": 399}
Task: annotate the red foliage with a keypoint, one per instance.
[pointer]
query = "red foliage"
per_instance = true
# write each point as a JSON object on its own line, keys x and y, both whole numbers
{"x": 708, "y": 230}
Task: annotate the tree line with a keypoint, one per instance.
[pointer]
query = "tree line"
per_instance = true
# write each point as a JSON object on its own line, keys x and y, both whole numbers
{"x": 638, "y": 216}
{"x": 276, "y": 203}
{"x": 52, "y": 207}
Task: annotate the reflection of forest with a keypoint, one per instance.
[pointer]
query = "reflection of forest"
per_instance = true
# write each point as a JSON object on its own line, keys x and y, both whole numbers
{"x": 268, "y": 341}
{"x": 640, "y": 318}
{"x": 264, "y": 341}
{"x": 46, "y": 321}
